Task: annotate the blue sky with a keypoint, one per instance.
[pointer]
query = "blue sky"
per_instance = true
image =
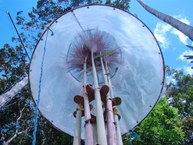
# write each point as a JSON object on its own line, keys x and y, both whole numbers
{"x": 172, "y": 42}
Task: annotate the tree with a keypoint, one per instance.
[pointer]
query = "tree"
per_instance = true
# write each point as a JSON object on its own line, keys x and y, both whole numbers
{"x": 13, "y": 69}
{"x": 16, "y": 119}
{"x": 180, "y": 93}
{"x": 9, "y": 95}
{"x": 162, "y": 126}
{"x": 17, "y": 127}
{"x": 184, "y": 28}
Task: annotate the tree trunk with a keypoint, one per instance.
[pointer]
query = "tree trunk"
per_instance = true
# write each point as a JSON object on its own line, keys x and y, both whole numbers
{"x": 182, "y": 27}
{"x": 9, "y": 95}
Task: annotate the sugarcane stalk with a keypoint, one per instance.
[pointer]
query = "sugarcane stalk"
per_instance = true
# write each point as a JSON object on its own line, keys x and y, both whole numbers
{"x": 94, "y": 134}
{"x": 88, "y": 125}
{"x": 118, "y": 131}
{"x": 109, "y": 112}
{"x": 77, "y": 134}
{"x": 101, "y": 133}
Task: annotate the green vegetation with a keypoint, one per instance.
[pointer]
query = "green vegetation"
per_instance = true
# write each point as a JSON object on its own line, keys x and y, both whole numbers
{"x": 162, "y": 126}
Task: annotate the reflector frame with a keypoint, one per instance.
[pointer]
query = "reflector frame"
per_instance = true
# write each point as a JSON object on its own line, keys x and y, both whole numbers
{"x": 138, "y": 81}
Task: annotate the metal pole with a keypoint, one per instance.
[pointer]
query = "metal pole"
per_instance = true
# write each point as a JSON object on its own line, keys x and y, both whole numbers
{"x": 88, "y": 125}
{"x": 77, "y": 134}
{"x": 18, "y": 35}
{"x": 111, "y": 136}
{"x": 101, "y": 133}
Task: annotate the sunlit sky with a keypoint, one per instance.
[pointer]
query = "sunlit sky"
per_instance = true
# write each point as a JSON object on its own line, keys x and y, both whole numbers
{"x": 172, "y": 42}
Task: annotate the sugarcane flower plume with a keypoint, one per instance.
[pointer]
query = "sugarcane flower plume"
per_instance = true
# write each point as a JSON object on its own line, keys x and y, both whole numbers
{"x": 101, "y": 43}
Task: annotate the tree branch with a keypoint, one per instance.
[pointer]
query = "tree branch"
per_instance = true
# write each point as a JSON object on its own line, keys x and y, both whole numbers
{"x": 9, "y": 95}
{"x": 182, "y": 27}
{"x": 17, "y": 132}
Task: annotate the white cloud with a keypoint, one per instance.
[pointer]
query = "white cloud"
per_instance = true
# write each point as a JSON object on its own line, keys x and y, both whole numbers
{"x": 188, "y": 66}
{"x": 189, "y": 70}
{"x": 187, "y": 52}
{"x": 183, "y": 38}
{"x": 160, "y": 33}
{"x": 182, "y": 19}
{"x": 162, "y": 29}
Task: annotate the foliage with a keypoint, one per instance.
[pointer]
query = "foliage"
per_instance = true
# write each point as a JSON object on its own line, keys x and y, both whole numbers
{"x": 180, "y": 94}
{"x": 10, "y": 113}
{"x": 46, "y": 133}
{"x": 13, "y": 66}
{"x": 162, "y": 126}
{"x": 124, "y": 4}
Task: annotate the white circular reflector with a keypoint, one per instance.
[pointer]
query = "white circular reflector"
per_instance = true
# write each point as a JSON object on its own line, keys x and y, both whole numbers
{"x": 138, "y": 80}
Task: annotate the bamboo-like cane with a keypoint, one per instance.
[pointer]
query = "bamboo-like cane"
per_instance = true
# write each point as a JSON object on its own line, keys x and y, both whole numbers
{"x": 101, "y": 133}
{"x": 88, "y": 125}
{"x": 95, "y": 133}
{"x": 77, "y": 134}
{"x": 118, "y": 131}
{"x": 109, "y": 109}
